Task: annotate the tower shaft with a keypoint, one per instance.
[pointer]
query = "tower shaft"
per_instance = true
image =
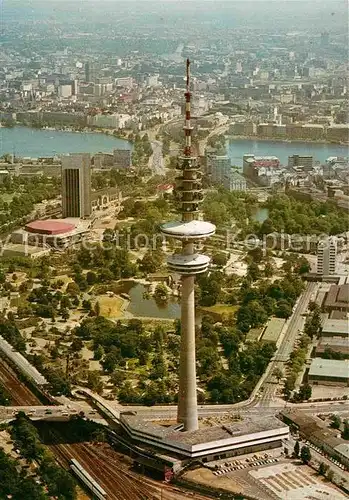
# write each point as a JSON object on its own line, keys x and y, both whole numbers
{"x": 187, "y": 412}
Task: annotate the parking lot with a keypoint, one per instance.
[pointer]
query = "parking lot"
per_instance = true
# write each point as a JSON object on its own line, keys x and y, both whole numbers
{"x": 265, "y": 476}
{"x": 256, "y": 460}
{"x": 295, "y": 482}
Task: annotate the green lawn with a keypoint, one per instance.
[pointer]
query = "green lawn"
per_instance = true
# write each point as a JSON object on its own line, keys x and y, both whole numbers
{"x": 220, "y": 309}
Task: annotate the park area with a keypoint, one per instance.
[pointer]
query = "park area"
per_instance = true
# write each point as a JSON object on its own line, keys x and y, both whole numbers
{"x": 110, "y": 307}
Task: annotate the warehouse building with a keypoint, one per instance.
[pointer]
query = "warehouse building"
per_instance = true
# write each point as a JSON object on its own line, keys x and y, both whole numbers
{"x": 273, "y": 330}
{"x": 315, "y": 431}
{"x": 335, "y": 328}
{"x": 336, "y": 345}
{"x": 337, "y": 298}
{"x": 329, "y": 372}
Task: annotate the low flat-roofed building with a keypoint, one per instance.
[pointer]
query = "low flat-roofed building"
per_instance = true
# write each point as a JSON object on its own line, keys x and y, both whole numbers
{"x": 254, "y": 334}
{"x": 335, "y": 328}
{"x": 315, "y": 431}
{"x": 20, "y": 250}
{"x": 329, "y": 372}
{"x": 339, "y": 345}
{"x": 208, "y": 443}
{"x": 273, "y": 330}
{"x": 339, "y": 315}
{"x": 337, "y": 298}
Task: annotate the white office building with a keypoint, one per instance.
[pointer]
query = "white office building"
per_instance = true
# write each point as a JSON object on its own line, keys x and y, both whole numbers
{"x": 326, "y": 256}
{"x": 65, "y": 91}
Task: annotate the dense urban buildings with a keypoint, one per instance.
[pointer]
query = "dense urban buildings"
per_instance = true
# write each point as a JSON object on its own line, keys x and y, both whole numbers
{"x": 93, "y": 296}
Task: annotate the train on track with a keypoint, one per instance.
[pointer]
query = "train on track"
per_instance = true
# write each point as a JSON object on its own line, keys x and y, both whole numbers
{"x": 88, "y": 481}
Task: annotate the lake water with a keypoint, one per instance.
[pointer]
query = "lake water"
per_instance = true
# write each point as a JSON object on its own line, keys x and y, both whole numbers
{"x": 239, "y": 147}
{"x": 260, "y": 214}
{"x": 139, "y": 306}
{"x": 25, "y": 141}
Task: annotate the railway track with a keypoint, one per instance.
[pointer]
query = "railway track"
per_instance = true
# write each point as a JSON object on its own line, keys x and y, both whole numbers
{"x": 19, "y": 392}
{"x": 118, "y": 486}
{"x": 104, "y": 464}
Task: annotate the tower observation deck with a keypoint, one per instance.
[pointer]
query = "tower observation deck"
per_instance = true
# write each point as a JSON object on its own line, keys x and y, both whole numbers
{"x": 190, "y": 230}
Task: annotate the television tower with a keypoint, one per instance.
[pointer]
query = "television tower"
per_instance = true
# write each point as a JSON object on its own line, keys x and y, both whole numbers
{"x": 189, "y": 230}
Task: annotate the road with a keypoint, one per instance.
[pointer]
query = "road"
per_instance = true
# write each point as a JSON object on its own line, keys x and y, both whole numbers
{"x": 294, "y": 327}
{"x": 157, "y": 163}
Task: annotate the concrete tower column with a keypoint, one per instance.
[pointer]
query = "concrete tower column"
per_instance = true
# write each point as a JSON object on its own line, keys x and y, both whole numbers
{"x": 187, "y": 399}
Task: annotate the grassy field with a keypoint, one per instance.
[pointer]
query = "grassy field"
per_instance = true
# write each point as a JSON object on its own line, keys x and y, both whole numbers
{"x": 110, "y": 306}
{"x": 220, "y": 309}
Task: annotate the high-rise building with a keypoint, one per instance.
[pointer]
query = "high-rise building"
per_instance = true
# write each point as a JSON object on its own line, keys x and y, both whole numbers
{"x": 76, "y": 185}
{"x": 189, "y": 230}
{"x": 324, "y": 39}
{"x": 326, "y": 256}
{"x": 306, "y": 161}
{"x": 65, "y": 90}
{"x": 92, "y": 71}
{"x": 219, "y": 170}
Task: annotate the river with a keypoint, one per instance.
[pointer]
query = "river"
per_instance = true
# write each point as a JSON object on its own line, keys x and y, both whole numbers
{"x": 282, "y": 149}
{"x": 34, "y": 143}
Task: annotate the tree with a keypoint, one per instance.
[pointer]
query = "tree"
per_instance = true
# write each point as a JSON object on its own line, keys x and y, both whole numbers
{"x": 330, "y": 475}
{"x": 149, "y": 263}
{"x": 59, "y": 481}
{"x": 98, "y": 353}
{"x": 305, "y": 454}
{"x": 305, "y": 392}
{"x": 65, "y": 314}
{"x": 91, "y": 278}
{"x": 73, "y": 289}
{"x": 323, "y": 468}
{"x": 4, "y": 397}
{"x": 278, "y": 374}
{"x": 76, "y": 345}
{"x": 210, "y": 288}
{"x": 94, "y": 382}
{"x": 336, "y": 421}
{"x": 220, "y": 259}
{"x": 345, "y": 433}
{"x": 161, "y": 293}
{"x": 268, "y": 270}
{"x": 296, "y": 449}
{"x": 284, "y": 309}
{"x": 97, "y": 309}
{"x": 253, "y": 271}
{"x": 87, "y": 305}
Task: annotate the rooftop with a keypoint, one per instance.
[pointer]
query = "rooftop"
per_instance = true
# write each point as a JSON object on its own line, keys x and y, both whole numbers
{"x": 338, "y": 296}
{"x": 206, "y": 434}
{"x": 341, "y": 343}
{"x": 52, "y": 227}
{"x": 273, "y": 330}
{"x": 339, "y": 326}
{"x": 330, "y": 368}
{"x": 237, "y": 429}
